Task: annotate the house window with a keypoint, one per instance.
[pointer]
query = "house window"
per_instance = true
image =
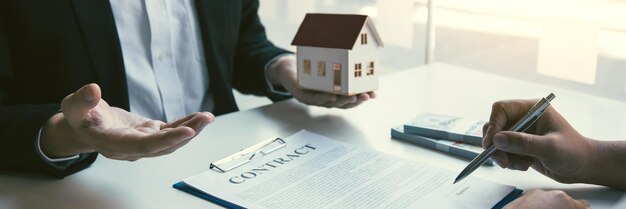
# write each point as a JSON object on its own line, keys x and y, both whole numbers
{"x": 336, "y": 66}
{"x": 357, "y": 70}
{"x": 307, "y": 67}
{"x": 370, "y": 69}
{"x": 321, "y": 68}
{"x": 363, "y": 38}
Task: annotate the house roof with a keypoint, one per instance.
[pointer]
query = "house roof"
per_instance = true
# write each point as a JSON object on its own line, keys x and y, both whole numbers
{"x": 333, "y": 30}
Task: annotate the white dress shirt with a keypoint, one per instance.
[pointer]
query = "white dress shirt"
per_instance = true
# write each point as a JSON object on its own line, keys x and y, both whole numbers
{"x": 166, "y": 70}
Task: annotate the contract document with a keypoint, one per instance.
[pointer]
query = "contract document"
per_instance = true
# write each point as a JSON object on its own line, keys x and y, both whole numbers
{"x": 313, "y": 171}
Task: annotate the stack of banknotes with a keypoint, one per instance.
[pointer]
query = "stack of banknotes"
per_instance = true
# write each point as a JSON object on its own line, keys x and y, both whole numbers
{"x": 457, "y": 136}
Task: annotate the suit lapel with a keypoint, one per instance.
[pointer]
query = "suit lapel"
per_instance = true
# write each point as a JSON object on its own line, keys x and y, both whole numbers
{"x": 99, "y": 33}
{"x": 212, "y": 19}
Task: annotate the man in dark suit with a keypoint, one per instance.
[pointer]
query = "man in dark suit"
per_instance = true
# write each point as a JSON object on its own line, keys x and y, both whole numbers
{"x": 49, "y": 49}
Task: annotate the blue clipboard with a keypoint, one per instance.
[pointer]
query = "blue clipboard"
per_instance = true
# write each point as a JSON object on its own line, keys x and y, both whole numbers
{"x": 509, "y": 198}
{"x": 182, "y": 186}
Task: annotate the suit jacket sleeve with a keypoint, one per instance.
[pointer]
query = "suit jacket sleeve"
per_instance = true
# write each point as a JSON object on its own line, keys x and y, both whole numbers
{"x": 253, "y": 52}
{"x": 20, "y": 124}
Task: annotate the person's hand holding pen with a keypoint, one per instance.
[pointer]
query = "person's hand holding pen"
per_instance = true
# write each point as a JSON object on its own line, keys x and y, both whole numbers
{"x": 551, "y": 146}
{"x": 555, "y": 149}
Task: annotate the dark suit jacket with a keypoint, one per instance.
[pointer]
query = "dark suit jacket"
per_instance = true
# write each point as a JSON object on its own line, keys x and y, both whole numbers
{"x": 51, "y": 48}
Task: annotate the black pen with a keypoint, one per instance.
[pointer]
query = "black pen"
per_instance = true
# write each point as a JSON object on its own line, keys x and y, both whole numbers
{"x": 531, "y": 116}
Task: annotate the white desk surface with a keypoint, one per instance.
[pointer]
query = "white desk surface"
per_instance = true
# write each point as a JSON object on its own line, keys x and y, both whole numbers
{"x": 438, "y": 88}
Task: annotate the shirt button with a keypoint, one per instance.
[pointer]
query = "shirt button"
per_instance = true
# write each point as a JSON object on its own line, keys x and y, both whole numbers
{"x": 162, "y": 56}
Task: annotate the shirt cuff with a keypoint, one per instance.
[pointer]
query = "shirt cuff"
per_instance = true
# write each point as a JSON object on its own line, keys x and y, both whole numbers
{"x": 56, "y": 161}
{"x": 269, "y": 85}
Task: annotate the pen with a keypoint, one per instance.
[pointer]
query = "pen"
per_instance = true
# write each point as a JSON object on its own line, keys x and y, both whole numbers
{"x": 531, "y": 116}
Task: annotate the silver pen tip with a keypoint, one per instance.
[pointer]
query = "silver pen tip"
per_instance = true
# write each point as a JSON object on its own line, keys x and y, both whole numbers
{"x": 458, "y": 178}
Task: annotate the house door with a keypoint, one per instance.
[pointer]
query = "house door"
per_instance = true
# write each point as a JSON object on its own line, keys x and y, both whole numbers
{"x": 336, "y": 77}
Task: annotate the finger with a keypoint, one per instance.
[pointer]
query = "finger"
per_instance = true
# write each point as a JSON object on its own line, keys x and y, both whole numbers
{"x": 340, "y": 101}
{"x": 360, "y": 99}
{"x": 539, "y": 168}
{"x": 488, "y": 136}
{"x": 150, "y": 126}
{"x": 569, "y": 201}
{"x": 314, "y": 98}
{"x": 170, "y": 150}
{"x": 179, "y": 121}
{"x": 162, "y": 140}
{"x": 192, "y": 120}
{"x": 344, "y": 100}
{"x": 535, "y": 191}
{"x": 199, "y": 121}
{"x": 77, "y": 105}
{"x": 363, "y": 97}
{"x": 520, "y": 163}
{"x": 524, "y": 144}
{"x": 485, "y": 127}
{"x": 501, "y": 158}
{"x": 351, "y": 105}
{"x": 131, "y": 159}
{"x": 372, "y": 94}
{"x": 584, "y": 203}
{"x": 134, "y": 147}
{"x": 503, "y": 114}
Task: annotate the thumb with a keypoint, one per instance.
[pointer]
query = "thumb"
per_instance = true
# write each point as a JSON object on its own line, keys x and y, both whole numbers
{"x": 523, "y": 143}
{"x": 78, "y": 104}
{"x": 316, "y": 98}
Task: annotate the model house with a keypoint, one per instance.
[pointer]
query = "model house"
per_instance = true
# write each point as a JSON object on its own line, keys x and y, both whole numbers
{"x": 338, "y": 53}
